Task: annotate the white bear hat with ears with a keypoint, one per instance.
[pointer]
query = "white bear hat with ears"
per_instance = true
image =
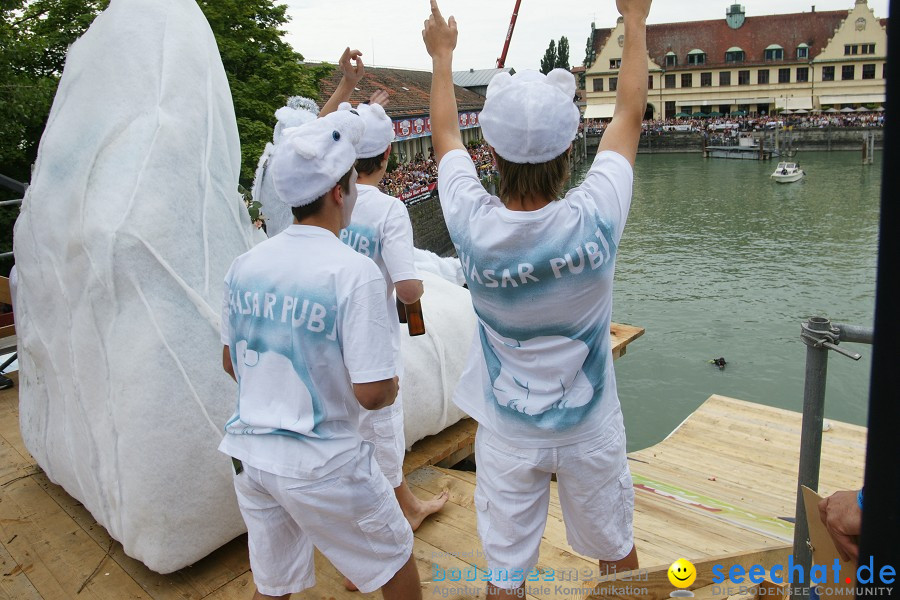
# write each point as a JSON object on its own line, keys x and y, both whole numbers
{"x": 530, "y": 117}
{"x": 379, "y": 129}
{"x": 309, "y": 160}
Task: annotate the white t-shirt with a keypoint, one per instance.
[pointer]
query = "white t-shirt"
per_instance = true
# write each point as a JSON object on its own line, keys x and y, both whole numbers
{"x": 304, "y": 317}
{"x": 540, "y": 372}
{"x": 380, "y": 229}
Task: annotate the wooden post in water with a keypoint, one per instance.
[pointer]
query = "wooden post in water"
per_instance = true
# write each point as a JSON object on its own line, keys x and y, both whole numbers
{"x": 868, "y": 148}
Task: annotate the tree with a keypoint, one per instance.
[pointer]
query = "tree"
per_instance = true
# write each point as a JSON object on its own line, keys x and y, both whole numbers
{"x": 263, "y": 70}
{"x": 562, "y": 53}
{"x": 589, "y": 53}
{"x": 548, "y": 63}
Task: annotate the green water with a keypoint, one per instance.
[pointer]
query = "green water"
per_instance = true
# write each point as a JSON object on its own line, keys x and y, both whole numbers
{"x": 718, "y": 260}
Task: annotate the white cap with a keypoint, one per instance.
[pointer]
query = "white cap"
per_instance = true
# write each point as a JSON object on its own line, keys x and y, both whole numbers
{"x": 309, "y": 160}
{"x": 530, "y": 117}
{"x": 379, "y": 129}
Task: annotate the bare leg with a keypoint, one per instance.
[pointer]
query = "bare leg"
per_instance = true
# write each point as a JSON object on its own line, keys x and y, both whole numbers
{"x": 499, "y": 593}
{"x": 416, "y": 510}
{"x": 629, "y": 563}
{"x": 404, "y": 585}
{"x": 258, "y": 596}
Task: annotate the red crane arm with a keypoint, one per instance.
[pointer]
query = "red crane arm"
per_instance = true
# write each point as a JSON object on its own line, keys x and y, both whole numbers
{"x": 512, "y": 25}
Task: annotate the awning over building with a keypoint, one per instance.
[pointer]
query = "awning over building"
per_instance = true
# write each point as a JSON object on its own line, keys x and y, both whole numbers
{"x": 723, "y": 101}
{"x": 794, "y": 103}
{"x": 599, "y": 111}
{"x": 853, "y": 99}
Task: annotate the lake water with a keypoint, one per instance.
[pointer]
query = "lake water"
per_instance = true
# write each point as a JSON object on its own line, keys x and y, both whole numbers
{"x": 719, "y": 260}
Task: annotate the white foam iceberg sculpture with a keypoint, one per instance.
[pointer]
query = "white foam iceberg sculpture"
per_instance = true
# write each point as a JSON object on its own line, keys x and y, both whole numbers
{"x": 126, "y": 233}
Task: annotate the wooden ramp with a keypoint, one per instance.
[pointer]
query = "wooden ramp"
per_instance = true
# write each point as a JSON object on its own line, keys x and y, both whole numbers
{"x": 717, "y": 485}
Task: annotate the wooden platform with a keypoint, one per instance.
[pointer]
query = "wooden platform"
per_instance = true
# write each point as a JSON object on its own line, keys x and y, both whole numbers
{"x": 717, "y": 485}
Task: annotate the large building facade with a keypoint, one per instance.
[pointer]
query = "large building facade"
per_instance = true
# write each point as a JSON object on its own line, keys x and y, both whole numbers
{"x": 753, "y": 65}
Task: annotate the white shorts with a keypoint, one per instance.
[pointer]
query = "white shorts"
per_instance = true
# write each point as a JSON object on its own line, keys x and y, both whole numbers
{"x": 384, "y": 428}
{"x": 512, "y": 496}
{"x": 351, "y": 515}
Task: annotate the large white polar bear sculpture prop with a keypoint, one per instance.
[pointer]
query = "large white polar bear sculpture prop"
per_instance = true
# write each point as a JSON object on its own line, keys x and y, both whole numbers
{"x": 126, "y": 233}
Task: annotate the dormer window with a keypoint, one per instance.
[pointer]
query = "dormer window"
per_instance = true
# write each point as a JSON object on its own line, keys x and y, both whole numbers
{"x": 774, "y": 52}
{"x": 671, "y": 59}
{"x": 803, "y": 51}
{"x": 696, "y": 57}
{"x": 734, "y": 55}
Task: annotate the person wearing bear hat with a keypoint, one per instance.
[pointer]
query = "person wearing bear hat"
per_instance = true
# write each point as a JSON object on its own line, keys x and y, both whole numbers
{"x": 381, "y": 229}
{"x": 540, "y": 379}
{"x": 306, "y": 335}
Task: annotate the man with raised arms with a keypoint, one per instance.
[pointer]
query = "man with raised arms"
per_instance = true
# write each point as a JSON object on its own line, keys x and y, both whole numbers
{"x": 307, "y": 337}
{"x": 540, "y": 379}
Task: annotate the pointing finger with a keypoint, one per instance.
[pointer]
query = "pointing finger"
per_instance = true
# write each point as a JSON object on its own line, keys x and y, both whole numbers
{"x": 435, "y": 10}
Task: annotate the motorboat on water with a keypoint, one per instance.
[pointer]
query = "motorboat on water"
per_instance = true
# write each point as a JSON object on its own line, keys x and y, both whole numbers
{"x": 788, "y": 172}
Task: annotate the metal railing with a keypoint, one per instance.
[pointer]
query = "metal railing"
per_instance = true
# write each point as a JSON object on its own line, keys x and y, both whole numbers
{"x": 820, "y": 335}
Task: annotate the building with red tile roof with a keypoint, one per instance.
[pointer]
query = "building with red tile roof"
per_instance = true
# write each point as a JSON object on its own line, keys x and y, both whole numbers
{"x": 754, "y": 64}
{"x": 409, "y": 106}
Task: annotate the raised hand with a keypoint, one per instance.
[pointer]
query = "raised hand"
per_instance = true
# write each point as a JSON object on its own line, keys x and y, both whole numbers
{"x": 379, "y": 97}
{"x": 352, "y": 71}
{"x": 439, "y": 35}
{"x": 634, "y": 8}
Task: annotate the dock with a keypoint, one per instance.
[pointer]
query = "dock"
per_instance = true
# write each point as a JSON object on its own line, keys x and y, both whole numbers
{"x": 722, "y": 483}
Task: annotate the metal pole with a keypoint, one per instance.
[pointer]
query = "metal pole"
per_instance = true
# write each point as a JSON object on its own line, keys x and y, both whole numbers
{"x": 855, "y": 333}
{"x": 815, "y": 330}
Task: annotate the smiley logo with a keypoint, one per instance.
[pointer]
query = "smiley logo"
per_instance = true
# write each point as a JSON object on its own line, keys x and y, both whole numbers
{"x": 682, "y": 573}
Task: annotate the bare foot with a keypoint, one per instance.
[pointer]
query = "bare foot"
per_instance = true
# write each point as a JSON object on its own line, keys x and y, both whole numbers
{"x": 349, "y": 585}
{"x": 416, "y": 510}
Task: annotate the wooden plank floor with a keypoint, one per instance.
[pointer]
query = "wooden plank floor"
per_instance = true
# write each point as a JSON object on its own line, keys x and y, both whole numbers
{"x": 718, "y": 485}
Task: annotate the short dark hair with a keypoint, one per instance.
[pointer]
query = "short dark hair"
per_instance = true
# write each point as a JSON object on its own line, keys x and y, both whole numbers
{"x": 524, "y": 180}
{"x": 304, "y": 212}
{"x": 367, "y": 166}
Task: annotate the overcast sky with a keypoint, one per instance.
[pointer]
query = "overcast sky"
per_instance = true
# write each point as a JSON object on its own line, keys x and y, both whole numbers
{"x": 388, "y": 32}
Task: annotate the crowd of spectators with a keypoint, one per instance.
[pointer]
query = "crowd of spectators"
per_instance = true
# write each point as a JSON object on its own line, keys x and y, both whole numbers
{"x": 752, "y": 123}
{"x": 422, "y": 171}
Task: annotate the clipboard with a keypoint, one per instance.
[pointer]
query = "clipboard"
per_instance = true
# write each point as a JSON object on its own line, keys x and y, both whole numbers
{"x": 824, "y": 551}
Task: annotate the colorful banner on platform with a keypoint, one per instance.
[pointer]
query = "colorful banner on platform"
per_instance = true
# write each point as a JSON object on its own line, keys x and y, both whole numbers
{"x": 412, "y": 128}
{"x": 418, "y": 194}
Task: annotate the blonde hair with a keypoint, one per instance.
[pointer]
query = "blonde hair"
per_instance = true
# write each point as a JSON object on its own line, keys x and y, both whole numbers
{"x": 545, "y": 180}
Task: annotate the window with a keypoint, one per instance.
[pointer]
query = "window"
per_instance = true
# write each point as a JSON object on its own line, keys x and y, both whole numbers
{"x": 613, "y": 84}
{"x": 868, "y": 72}
{"x": 784, "y": 75}
{"x": 848, "y": 72}
{"x": 802, "y": 74}
{"x": 725, "y": 78}
{"x": 743, "y": 77}
{"x": 725, "y": 109}
{"x": 598, "y": 84}
{"x": 705, "y": 79}
{"x": 854, "y": 49}
{"x": 670, "y": 109}
{"x": 670, "y": 81}
{"x": 650, "y": 82}
{"x": 696, "y": 57}
{"x": 827, "y": 73}
{"x": 774, "y": 52}
{"x": 762, "y": 76}
{"x": 734, "y": 55}
{"x": 687, "y": 80}
{"x": 615, "y": 63}
{"x": 671, "y": 59}
{"x": 802, "y": 51}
